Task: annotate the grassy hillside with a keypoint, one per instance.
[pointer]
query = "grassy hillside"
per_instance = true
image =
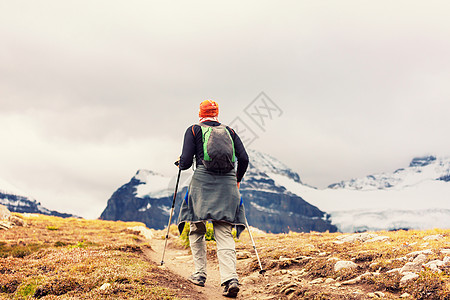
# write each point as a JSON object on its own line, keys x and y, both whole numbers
{"x": 59, "y": 258}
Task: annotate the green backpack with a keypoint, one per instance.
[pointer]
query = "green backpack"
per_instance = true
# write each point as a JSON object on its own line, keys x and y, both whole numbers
{"x": 218, "y": 148}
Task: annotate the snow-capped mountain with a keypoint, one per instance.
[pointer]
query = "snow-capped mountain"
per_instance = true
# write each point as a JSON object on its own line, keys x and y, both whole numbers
{"x": 276, "y": 200}
{"x": 146, "y": 198}
{"x": 421, "y": 169}
{"x": 265, "y": 163}
{"x": 269, "y": 206}
{"x": 415, "y": 197}
{"x": 272, "y": 207}
{"x": 18, "y": 201}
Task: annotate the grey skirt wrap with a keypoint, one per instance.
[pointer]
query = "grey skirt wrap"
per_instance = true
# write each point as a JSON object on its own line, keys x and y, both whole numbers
{"x": 213, "y": 197}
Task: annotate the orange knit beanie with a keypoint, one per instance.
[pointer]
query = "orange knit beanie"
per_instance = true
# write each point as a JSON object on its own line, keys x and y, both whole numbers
{"x": 208, "y": 108}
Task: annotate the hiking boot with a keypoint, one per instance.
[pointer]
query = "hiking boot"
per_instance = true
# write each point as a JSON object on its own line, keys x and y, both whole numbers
{"x": 197, "y": 280}
{"x": 231, "y": 288}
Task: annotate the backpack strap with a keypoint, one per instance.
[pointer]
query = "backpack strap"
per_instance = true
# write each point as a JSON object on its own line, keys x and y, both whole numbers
{"x": 231, "y": 129}
{"x": 206, "y": 131}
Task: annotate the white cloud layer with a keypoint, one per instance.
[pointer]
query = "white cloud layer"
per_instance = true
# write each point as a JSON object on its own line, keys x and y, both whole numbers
{"x": 92, "y": 91}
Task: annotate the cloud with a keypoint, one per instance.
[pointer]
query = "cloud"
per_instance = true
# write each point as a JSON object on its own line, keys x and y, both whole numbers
{"x": 75, "y": 177}
{"x": 91, "y": 92}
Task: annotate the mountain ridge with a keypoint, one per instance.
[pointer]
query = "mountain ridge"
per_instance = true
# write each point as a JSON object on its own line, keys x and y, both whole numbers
{"x": 18, "y": 201}
{"x": 420, "y": 169}
{"x": 269, "y": 206}
{"x": 413, "y": 197}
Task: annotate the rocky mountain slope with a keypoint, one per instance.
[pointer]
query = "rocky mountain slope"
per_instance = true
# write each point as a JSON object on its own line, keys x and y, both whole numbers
{"x": 18, "y": 201}
{"x": 270, "y": 207}
{"x": 145, "y": 198}
{"x": 273, "y": 208}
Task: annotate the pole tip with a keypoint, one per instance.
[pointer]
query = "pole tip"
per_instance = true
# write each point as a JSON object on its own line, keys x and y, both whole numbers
{"x": 262, "y": 272}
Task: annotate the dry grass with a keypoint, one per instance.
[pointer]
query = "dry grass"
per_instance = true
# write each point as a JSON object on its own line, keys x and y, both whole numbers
{"x": 71, "y": 258}
{"x": 53, "y": 257}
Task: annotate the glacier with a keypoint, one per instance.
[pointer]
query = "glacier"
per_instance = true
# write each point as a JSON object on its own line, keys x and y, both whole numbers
{"x": 414, "y": 197}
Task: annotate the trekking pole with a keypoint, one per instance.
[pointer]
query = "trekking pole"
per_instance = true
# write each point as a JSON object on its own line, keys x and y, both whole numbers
{"x": 171, "y": 213}
{"x": 262, "y": 271}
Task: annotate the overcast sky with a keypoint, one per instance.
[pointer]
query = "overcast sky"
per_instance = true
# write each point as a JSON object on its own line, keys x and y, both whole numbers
{"x": 92, "y": 91}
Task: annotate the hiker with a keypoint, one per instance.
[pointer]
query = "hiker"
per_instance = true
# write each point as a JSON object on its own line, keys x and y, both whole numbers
{"x": 213, "y": 193}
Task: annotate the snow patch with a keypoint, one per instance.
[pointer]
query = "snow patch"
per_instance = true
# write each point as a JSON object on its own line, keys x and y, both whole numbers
{"x": 268, "y": 164}
{"x": 152, "y": 184}
{"x": 263, "y": 209}
{"x": 165, "y": 210}
{"x": 145, "y": 208}
{"x": 155, "y": 185}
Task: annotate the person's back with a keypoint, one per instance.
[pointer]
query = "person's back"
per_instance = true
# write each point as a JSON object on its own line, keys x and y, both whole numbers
{"x": 213, "y": 193}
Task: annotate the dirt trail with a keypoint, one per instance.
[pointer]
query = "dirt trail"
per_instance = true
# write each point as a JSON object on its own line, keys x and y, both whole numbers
{"x": 179, "y": 261}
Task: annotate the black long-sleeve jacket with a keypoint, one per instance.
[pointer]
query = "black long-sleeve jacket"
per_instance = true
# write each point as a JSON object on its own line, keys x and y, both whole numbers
{"x": 193, "y": 145}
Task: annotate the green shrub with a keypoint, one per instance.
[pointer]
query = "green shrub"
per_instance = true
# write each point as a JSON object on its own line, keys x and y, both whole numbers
{"x": 59, "y": 244}
{"x": 3, "y": 250}
{"x": 173, "y": 230}
{"x": 184, "y": 237}
{"x": 20, "y": 252}
{"x": 26, "y": 290}
{"x": 78, "y": 245}
{"x": 209, "y": 236}
{"x": 82, "y": 244}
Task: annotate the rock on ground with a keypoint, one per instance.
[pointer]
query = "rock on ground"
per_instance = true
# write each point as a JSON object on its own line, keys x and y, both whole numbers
{"x": 144, "y": 231}
{"x": 105, "y": 286}
{"x": 381, "y": 238}
{"x": 407, "y": 277}
{"x": 4, "y": 212}
{"x": 435, "y": 237}
{"x": 5, "y": 225}
{"x": 379, "y": 294}
{"x": 415, "y": 253}
{"x": 411, "y": 267}
{"x": 16, "y": 221}
{"x": 253, "y": 278}
{"x": 344, "y": 264}
{"x": 317, "y": 281}
{"x": 420, "y": 259}
{"x": 362, "y": 237}
{"x": 243, "y": 255}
